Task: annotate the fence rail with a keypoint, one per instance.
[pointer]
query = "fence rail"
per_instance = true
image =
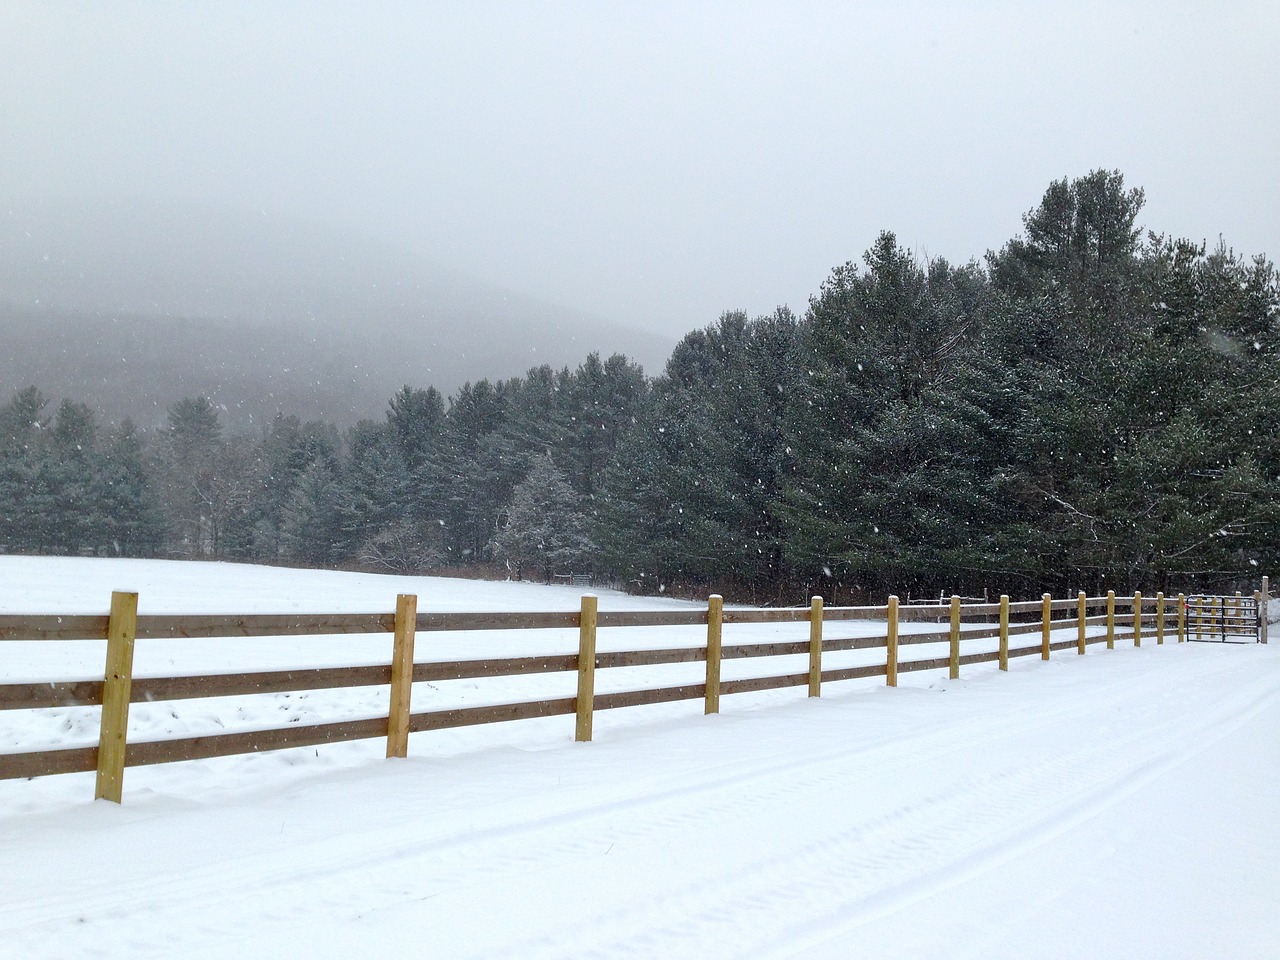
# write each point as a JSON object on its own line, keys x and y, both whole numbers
{"x": 1146, "y": 617}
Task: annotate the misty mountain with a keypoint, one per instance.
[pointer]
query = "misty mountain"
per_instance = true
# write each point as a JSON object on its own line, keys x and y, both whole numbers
{"x": 132, "y": 306}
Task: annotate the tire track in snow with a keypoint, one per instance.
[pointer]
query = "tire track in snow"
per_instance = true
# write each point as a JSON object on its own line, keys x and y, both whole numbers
{"x": 943, "y": 839}
{"x": 447, "y": 862}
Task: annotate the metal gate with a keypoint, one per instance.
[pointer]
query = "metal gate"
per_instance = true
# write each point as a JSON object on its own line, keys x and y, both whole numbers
{"x": 1223, "y": 619}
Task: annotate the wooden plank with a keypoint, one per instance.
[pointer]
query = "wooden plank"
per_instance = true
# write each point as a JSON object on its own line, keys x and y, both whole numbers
{"x": 649, "y": 658}
{"x": 923, "y": 636}
{"x": 150, "y": 689}
{"x": 651, "y": 618}
{"x": 209, "y": 626}
{"x": 1024, "y": 651}
{"x": 401, "y": 676}
{"x": 1081, "y": 622}
{"x": 891, "y": 657}
{"x": 640, "y": 698}
{"x": 23, "y": 766}
{"x": 1046, "y": 623}
{"x": 255, "y": 741}
{"x": 988, "y": 657}
{"x": 815, "y": 647}
{"x": 954, "y": 658}
{"x": 853, "y": 643}
{"x": 460, "y": 622}
{"x": 36, "y": 696}
{"x": 122, "y": 623}
{"x": 912, "y": 666}
{"x": 23, "y": 626}
{"x": 747, "y": 651}
{"x": 853, "y": 673}
{"x": 715, "y": 621}
{"x": 1004, "y": 632}
{"x": 1264, "y": 600}
{"x": 499, "y": 713}
{"x": 586, "y": 668}
{"x": 780, "y": 615}
{"x": 757, "y": 684}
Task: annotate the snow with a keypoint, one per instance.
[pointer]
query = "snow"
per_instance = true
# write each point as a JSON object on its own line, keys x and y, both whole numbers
{"x": 1116, "y": 804}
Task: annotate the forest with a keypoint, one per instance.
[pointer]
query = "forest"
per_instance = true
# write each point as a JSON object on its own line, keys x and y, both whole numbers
{"x": 1091, "y": 406}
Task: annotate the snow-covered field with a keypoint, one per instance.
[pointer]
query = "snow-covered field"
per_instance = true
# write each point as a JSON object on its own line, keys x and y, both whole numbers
{"x": 1121, "y": 804}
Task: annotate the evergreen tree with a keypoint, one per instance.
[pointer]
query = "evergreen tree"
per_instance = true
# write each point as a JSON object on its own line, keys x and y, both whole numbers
{"x": 25, "y": 503}
{"x": 544, "y": 531}
{"x": 690, "y": 495}
{"x": 128, "y": 518}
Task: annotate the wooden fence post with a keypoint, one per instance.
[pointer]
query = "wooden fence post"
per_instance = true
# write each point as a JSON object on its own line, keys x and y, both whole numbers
{"x": 1111, "y": 619}
{"x": 891, "y": 661}
{"x": 955, "y": 637}
{"x": 1082, "y": 626}
{"x": 1137, "y": 618}
{"x": 1199, "y": 618}
{"x": 122, "y": 627}
{"x": 715, "y": 625}
{"x": 1004, "y": 631}
{"x": 586, "y": 668}
{"x": 401, "y": 675}
{"x": 1264, "y": 602}
{"x": 1046, "y": 624}
{"x": 815, "y": 647}
{"x": 1182, "y": 618}
{"x": 1159, "y": 617}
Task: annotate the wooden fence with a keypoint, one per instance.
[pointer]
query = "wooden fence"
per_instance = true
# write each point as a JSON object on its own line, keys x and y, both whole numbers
{"x": 1059, "y": 625}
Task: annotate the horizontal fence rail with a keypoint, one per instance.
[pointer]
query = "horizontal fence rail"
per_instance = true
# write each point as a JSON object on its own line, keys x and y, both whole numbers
{"x": 1057, "y": 624}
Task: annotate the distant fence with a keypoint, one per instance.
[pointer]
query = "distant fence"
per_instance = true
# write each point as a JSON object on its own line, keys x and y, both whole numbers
{"x": 1085, "y": 620}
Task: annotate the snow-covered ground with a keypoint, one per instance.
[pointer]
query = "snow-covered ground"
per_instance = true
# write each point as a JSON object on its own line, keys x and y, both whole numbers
{"x": 1117, "y": 804}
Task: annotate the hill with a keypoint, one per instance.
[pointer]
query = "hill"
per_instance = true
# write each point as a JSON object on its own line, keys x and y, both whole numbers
{"x": 130, "y": 307}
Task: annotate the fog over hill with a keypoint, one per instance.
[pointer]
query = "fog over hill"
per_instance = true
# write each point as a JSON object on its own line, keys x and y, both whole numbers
{"x": 130, "y": 306}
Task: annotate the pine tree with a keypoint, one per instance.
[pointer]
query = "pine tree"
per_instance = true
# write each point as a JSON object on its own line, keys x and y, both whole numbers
{"x": 545, "y": 531}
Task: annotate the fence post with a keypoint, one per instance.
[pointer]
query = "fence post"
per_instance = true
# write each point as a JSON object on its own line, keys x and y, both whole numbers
{"x": 955, "y": 637}
{"x": 715, "y": 624}
{"x": 586, "y": 668}
{"x": 891, "y": 641}
{"x": 1046, "y": 624}
{"x": 1111, "y": 619}
{"x": 815, "y": 647}
{"x": 1199, "y": 618}
{"x": 1082, "y": 625}
{"x": 1004, "y": 631}
{"x": 1159, "y": 617}
{"x": 1262, "y": 609}
{"x": 1137, "y": 618}
{"x": 401, "y": 675}
{"x": 122, "y": 627}
{"x": 1182, "y": 618}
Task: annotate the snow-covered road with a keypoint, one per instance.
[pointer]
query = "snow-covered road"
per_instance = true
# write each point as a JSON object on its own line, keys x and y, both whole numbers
{"x": 1121, "y": 804}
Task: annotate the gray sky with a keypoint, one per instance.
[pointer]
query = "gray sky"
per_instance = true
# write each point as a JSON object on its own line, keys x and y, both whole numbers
{"x": 655, "y": 163}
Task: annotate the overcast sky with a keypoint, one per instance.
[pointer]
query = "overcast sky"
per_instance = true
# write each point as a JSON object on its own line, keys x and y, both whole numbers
{"x": 655, "y": 163}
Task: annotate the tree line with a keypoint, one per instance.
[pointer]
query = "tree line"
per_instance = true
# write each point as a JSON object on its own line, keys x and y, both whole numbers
{"x": 1089, "y": 406}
